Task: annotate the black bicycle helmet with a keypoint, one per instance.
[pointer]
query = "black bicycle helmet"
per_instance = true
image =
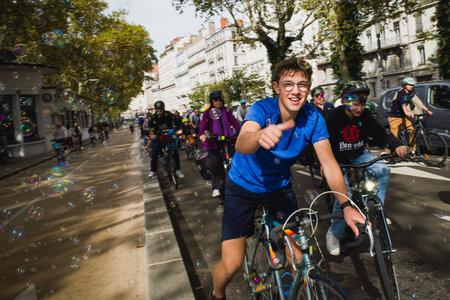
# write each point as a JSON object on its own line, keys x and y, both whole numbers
{"x": 214, "y": 95}
{"x": 356, "y": 87}
{"x": 317, "y": 89}
{"x": 159, "y": 104}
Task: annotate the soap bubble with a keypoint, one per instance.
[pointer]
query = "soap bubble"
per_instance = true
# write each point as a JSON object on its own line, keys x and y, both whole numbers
{"x": 310, "y": 195}
{"x": 86, "y": 50}
{"x": 17, "y": 233}
{"x": 36, "y": 213}
{"x": 20, "y": 50}
{"x": 20, "y": 271}
{"x": 215, "y": 113}
{"x": 276, "y": 160}
{"x": 69, "y": 95}
{"x": 88, "y": 194}
{"x": 269, "y": 122}
{"x": 110, "y": 97}
{"x": 38, "y": 12}
{"x": 27, "y": 127}
{"x": 15, "y": 75}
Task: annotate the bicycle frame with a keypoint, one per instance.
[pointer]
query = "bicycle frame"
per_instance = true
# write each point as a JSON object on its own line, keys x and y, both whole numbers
{"x": 303, "y": 267}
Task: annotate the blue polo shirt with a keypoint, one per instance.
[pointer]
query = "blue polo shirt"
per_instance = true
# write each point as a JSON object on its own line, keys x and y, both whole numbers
{"x": 269, "y": 170}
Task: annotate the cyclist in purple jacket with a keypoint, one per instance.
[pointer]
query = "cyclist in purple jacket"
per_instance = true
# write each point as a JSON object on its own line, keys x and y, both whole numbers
{"x": 217, "y": 120}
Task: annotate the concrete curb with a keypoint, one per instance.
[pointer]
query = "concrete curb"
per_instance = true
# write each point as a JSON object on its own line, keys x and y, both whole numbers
{"x": 166, "y": 272}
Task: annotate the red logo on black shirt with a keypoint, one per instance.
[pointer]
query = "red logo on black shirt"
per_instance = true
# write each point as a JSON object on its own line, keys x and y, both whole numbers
{"x": 350, "y": 134}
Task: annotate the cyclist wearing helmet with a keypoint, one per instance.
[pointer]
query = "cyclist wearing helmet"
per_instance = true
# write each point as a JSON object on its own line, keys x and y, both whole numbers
{"x": 319, "y": 101}
{"x": 349, "y": 126}
{"x": 405, "y": 105}
{"x": 186, "y": 128}
{"x": 162, "y": 120}
{"x": 241, "y": 111}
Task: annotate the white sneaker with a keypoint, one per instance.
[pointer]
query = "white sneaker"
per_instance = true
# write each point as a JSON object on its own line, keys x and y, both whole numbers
{"x": 151, "y": 174}
{"x": 388, "y": 221}
{"x": 333, "y": 246}
{"x": 216, "y": 193}
{"x": 179, "y": 174}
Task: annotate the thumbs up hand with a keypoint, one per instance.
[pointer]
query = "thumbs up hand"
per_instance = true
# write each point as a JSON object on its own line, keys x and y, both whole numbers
{"x": 271, "y": 135}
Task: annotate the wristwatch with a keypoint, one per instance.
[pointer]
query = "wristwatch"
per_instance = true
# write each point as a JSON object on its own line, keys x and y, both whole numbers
{"x": 345, "y": 204}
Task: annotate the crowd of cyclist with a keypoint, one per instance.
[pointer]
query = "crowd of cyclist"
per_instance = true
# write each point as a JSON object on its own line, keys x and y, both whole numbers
{"x": 271, "y": 135}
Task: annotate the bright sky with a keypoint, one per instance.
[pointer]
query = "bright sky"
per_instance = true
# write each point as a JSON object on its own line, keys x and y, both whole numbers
{"x": 160, "y": 19}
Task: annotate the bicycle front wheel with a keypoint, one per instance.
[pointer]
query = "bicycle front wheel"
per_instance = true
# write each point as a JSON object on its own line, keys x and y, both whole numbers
{"x": 432, "y": 149}
{"x": 173, "y": 170}
{"x": 383, "y": 259}
{"x": 257, "y": 269}
{"x": 320, "y": 287}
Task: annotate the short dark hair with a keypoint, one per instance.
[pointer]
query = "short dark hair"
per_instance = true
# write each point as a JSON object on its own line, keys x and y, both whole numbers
{"x": 292, "y": 65}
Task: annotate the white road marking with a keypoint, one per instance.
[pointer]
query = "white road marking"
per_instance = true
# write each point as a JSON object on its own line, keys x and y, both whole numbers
{"x": 407, "y": 171}
{"x": 447, "y": 218}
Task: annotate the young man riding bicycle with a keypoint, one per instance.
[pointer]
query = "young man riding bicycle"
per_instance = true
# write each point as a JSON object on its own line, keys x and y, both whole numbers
{"x": 273, "y": 134}
{"x": 349, "y": 126}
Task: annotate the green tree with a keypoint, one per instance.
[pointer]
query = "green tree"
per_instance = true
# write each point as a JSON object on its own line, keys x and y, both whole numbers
{"x": 443, "y": 34}
{"x": 84, "y": 44}
{"x": 241, "y": 86}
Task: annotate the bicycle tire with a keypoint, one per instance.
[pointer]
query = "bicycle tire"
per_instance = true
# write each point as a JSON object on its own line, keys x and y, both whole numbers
{"x": 382, "y": 258}
{"x": 261, "y": 267}
{"x": 173, "y": 175}
{"x": 321, "y": 287}
{"x": 435, "y": 151}
{"x": 316, "y": 176}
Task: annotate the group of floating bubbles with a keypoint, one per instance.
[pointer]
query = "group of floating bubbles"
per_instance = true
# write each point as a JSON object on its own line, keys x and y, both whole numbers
{"x": 110, "y": 97}
{"x": 55, "y": 38}
{"x": 17, "y": 233}
{"x": 350, "y": 100}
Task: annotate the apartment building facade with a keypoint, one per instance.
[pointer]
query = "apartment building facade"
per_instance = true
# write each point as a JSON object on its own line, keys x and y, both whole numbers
{"x": 213, "y": 55}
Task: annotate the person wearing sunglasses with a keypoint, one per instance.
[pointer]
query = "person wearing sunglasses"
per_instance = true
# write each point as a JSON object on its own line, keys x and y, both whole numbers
{"x": 349, "y": 126}
{"x": 217, "y": 120}
{"x": 274, "y": 133}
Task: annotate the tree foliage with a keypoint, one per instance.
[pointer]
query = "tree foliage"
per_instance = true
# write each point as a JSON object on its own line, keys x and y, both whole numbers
{"x": 93, "y": 51}
{"x": 443, "y": 35}
{"x": 250, "y": 87}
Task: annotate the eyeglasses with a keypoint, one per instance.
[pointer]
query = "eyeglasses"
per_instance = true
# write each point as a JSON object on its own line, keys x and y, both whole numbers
{"x": 217, "y": 99}
{"x": 318, "y": 95}
{"x": 289, "y": 86}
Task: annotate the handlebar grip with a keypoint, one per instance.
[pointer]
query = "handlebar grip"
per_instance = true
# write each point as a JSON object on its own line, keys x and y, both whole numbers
{"x": 358, "y": 240}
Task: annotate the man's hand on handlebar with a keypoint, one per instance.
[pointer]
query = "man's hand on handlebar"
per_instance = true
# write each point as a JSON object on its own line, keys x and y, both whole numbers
{"x": 401, "y": 151}
{"x": 351, "y": 217}
{"x": 202, "y": 138}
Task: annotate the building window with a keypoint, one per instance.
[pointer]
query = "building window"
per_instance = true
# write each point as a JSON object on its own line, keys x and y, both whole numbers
{"x": 419, "y": 25}
{"x": 401, "y": 60}
{"x": 397, "y": 29}
{"x": 236, "y": 61}
{"x": 422, "y": 57}
{"x": 369, "y": 36}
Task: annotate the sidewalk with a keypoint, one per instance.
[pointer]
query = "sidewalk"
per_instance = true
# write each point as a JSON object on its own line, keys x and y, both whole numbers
{"x": 17, "y": 164}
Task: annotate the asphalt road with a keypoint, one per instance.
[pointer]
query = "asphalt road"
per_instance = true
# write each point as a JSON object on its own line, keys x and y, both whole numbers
{"x": 417, "y": 203}
{"x": 76, "y": 231}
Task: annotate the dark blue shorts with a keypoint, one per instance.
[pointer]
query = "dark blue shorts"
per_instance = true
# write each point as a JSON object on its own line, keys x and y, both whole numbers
{"x": 240, "y": 205}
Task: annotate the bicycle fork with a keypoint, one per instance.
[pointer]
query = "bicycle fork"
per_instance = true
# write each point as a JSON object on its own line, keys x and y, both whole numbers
{"x": 380, "y": 210}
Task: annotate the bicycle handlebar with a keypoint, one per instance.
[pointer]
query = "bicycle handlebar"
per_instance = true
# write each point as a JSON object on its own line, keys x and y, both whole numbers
{"x": 366, "y": 164}
{"x": 220, "y": 137}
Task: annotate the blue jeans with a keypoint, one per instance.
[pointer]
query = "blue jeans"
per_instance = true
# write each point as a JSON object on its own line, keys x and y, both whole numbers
{"x": 156, "y": 149}
{"x": 382, "y": 174}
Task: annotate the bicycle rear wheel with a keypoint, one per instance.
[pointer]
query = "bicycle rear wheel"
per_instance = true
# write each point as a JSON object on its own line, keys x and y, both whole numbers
{"x": 321, "y": 287}
{"x": 257, "y": 271}
{"x": 432, "y": 149}
{"x": 383, "y": 259}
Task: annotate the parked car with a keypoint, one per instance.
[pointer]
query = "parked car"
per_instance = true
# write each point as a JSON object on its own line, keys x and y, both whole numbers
{"x": 434, "y": 94}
